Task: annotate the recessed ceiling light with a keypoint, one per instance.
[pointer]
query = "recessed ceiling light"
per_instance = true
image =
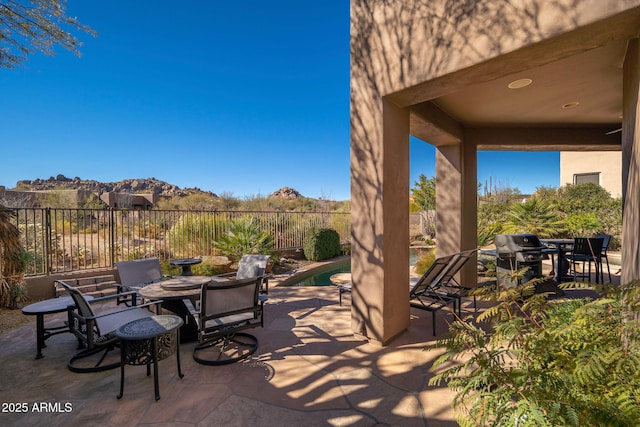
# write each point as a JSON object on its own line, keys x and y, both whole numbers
{"x": 517, "y": 84}
{"x": 571, "y": 104}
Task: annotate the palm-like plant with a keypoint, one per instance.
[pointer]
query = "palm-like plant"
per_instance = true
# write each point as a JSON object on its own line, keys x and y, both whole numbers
{"x": 12, "y": 259}
{"x": 533, "y": 216}
{"x": 244, "y": 236}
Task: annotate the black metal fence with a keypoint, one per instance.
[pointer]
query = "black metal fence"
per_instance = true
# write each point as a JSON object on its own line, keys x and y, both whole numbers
{"x": 64, "y": 240}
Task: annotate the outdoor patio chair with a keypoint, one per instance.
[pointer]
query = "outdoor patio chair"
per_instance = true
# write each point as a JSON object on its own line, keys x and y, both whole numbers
{"x": 416, "y": 285}
{"x": 422, "y": 294}
{"x": 447, "y": 284}
{"x": 226, "y": 309}
{"x": 586, "y": 250}
{"x": 252, "y": 266}
{"x": 137, "y": 274}
{"x": 606, "y": 239}
{"x": 96, "y": 332}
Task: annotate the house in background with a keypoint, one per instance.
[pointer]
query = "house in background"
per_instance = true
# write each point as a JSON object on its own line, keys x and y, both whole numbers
{"x": 599, "y": 167}
{"x": 129, "y": 201}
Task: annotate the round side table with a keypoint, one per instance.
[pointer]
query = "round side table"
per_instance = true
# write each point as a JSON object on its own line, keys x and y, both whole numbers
{"x": 342, "y": 282}
{"x": 146, "y": 341}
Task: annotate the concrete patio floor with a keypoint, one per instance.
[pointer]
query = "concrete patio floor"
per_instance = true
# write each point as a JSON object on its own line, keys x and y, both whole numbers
{"x": 309, "y": 370}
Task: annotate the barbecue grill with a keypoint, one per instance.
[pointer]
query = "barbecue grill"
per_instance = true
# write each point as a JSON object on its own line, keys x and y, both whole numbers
{"x": 516, "y": 251}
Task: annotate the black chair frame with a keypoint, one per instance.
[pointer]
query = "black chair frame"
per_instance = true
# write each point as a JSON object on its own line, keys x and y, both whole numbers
{"x": 84, "y": 324}
{"x": 220, "y": 330}
{"x": 587, "y": 250}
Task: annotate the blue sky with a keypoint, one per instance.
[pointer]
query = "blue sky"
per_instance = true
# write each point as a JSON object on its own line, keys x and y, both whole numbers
{"x": 230, "y": 97}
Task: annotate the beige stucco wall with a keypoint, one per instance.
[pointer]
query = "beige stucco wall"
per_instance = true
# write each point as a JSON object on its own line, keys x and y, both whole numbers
{"x": 405, "y": 52}
{"x": 607, "y": 163}
{"x": 404, "y": 44}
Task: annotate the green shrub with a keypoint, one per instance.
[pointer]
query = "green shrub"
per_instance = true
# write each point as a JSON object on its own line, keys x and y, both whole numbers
{"x": 320, "y": 244}
{"x": 424, "y": 262}
{"x": 245, "y": 236}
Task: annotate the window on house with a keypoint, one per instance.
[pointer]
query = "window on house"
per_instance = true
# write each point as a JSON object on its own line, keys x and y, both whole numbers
{"x": 583, "y": 178}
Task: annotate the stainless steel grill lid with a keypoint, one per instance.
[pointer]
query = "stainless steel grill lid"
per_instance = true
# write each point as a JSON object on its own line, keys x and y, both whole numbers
{"x": 512, "y": 243}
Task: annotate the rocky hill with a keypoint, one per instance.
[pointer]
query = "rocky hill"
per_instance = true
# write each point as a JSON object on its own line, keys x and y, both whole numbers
{"x": 286, "y": 193}
{"x": 130, "y": 186}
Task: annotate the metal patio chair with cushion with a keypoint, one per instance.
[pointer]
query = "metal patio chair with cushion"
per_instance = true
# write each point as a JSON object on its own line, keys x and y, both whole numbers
{"x": 137, "y": 274}
{"x": 226, "y": 309}
{"x": 252, "y": 266}
{"x": 606, "y": 239}
{"x": 96, "y": 332}
{"x": 586, "y": 250}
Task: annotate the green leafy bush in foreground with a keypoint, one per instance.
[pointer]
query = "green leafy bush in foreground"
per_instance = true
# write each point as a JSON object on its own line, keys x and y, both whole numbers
{"x": 546, "y": 362}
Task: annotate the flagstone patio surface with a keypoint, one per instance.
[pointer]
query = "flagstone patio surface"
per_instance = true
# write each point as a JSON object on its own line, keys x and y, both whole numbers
{"x": 309, "y": 370}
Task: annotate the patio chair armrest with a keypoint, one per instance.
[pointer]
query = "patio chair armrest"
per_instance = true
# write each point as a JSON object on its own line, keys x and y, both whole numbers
{"x": 121, "y": 286}
{"x": 157, "y": 303}
{"x": 233, "y": 273}
{"x": 191, "y": 308}
{"x": 118, "y": 295}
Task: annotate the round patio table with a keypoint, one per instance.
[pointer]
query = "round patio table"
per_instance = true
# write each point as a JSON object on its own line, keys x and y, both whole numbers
{"x": 561, "y": 268}
{"x": 340, "y": 278}
{"x": 342, "y": 282}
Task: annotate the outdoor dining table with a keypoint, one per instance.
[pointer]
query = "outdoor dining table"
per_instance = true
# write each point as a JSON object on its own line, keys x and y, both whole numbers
{"x": 562, "y": 246}
{"x": 172, "y": 292}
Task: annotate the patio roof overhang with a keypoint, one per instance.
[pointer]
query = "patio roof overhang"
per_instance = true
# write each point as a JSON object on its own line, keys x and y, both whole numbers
{"x": 575, "y": 93}
{"x": 443, "y": 74}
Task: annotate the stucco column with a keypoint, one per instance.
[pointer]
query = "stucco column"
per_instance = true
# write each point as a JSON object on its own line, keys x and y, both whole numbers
{"x": 456, "y": 204}
{"x": 380, "y": 221}
{"x": 631, "y": 165}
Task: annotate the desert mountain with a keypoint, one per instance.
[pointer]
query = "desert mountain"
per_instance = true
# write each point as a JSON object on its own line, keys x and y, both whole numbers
{"x": 131, "y": 186}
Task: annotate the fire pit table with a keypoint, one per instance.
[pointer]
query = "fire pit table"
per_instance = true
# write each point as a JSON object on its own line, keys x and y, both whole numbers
{"x": 186, "y": 264}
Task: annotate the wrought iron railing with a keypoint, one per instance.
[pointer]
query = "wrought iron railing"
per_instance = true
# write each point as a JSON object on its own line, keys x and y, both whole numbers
{"x": 65, "y": 240}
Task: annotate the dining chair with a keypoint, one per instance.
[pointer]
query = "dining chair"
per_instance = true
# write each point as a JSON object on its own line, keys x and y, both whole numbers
{"x": 587, "y": 250}
{"x": 606, "y": 239}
